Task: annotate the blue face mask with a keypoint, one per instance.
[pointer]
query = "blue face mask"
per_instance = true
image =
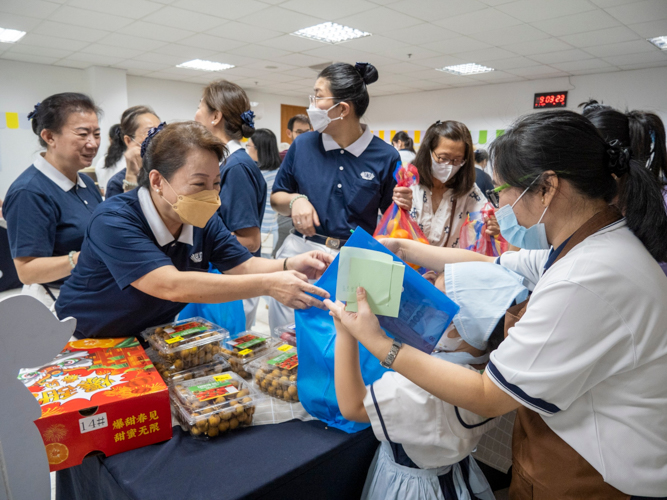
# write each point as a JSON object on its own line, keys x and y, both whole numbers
{"x": 532, "y": 238}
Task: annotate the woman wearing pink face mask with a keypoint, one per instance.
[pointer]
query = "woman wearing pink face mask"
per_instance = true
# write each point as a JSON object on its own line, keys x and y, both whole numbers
{"x": 446, "y": 192}
{"x": 147, "y": 251}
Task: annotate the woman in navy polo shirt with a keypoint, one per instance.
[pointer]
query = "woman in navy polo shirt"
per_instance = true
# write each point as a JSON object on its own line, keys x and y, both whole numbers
{"x": 224, "y": 110}
{"x": 134, "y": 126}
{"x": 48, "y": 206}
{"x": 335, "y": 179}
{"x": 147, "y": 251}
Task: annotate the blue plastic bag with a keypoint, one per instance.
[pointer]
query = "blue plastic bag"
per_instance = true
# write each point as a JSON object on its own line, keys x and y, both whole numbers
{"x": 229, "y": 315}
{"x": 424, "y": 315}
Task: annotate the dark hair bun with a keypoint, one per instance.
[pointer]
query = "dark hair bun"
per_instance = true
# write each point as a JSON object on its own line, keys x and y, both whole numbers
{"x": 591, "y": 105}
{"x": 368, "y": 72}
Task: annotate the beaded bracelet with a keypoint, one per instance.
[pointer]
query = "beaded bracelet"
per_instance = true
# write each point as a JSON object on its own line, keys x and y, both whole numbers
{"x": 296, "y": 198}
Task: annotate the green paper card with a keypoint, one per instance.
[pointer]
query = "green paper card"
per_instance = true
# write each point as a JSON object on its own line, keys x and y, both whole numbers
{"x": 346, "y": 291}
{"x": 376, "y": 288}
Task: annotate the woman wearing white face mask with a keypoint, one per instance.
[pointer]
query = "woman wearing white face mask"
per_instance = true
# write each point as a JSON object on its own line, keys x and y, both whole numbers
{"x": 335, "y": 179}
{"x": 446, "y": 192}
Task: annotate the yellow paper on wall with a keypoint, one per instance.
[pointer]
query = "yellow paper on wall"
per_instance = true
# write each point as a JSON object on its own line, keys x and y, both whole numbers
{"x": 12, "y": 120}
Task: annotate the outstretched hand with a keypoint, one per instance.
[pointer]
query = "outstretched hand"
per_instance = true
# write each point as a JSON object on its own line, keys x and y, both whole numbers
{"x": 312, "y": 264}
{"x": 362, "y": 325}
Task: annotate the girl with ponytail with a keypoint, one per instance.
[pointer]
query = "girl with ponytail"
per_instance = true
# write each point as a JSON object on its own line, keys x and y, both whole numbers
{"x": 643, "y": 134}
{"x": 225, "y": 111}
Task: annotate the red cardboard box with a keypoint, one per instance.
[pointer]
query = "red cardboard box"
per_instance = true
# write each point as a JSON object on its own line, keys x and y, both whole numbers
{"x": 99, "y": 395}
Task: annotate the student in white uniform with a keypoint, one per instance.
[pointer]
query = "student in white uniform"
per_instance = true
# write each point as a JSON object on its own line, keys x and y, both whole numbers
{"x": 446, "y": 192}
{"x": 585, "y": 363}
{"x": 426, "y": 442}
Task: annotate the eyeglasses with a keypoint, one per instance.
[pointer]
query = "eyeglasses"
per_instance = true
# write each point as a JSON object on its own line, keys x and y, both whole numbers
{"x": 493, "y": 195}
{"x": 314, "y": 99}
{"x": 447, "y": 161}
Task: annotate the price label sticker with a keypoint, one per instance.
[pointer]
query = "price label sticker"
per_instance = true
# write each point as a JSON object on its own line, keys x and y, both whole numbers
{"x": 173, "y": 340}
{"x": 285, "y": 348}
{"x": 245, "y": 352}
{"x": 222, "y": 378}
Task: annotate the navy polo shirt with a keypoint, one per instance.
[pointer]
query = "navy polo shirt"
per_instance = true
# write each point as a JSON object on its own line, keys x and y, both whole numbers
{"x": 242, "y": 191}
{"x": 47, "y": 213}
{"x": 126, "y": 239}
{"x": 115, "y": 184}
{"x": 346, "y": 186}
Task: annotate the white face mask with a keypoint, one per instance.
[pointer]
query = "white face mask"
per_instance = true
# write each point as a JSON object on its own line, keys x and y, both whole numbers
{"x": 319, "y": 118}
{"x": 444, "y": 171}
{"x": 447, "y": 343}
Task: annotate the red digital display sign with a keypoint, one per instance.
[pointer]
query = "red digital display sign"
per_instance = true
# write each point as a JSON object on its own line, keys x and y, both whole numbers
{"x": 550, "y": 100}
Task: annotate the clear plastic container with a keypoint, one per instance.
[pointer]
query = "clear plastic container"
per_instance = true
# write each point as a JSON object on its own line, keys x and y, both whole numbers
{"x": 186, "y": 343}
{"x": 276, "y": 373}
{"x": 286, "y": 334}
{"x": 218, "y": 365}
{"x": 246, "y": 348}
{"x": 209, "y": 406}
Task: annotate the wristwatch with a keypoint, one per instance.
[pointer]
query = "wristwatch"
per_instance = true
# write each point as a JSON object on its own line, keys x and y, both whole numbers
{"x": 393, "y": 352}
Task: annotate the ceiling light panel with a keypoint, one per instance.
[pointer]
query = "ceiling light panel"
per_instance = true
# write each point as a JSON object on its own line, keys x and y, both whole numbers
{"x": 205, "y": 65}
{"x": 466, "y": 69}
{"x": 331, "y": 33}
{"x": 660, "y": 42}
{"x": 10, "y": 36}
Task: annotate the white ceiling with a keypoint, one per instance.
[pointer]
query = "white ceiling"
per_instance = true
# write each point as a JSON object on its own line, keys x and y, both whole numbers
{"x": 521, "y": 39}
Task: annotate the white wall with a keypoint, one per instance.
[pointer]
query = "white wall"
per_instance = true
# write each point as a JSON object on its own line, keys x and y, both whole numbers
{"x": 491, "y": 107}
{"x": 22, "y": 85}
{"x": 486, "y": 107}
{"x": 173, "y": 100}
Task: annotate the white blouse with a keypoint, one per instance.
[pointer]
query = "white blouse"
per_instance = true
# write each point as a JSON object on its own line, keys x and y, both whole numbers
{"x": 433, "y": 433}
{"x": 435, "y": 223}
{"x": 590, "y": 355}
{"x": 104, "y": 174}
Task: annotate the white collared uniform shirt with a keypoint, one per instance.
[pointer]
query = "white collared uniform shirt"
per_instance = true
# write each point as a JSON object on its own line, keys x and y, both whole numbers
{"x": 590, "y": 355}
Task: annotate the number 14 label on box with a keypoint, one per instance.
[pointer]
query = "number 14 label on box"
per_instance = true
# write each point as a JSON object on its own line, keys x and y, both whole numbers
{"x": 93, "y": 423}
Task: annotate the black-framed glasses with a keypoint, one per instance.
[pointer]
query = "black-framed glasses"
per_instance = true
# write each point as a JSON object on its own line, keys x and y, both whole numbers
{"x": 493, "y": 195}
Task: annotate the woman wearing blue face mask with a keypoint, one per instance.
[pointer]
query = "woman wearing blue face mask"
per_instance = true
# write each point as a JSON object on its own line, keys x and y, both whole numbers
{"x": 335, "y": 179}
{"x": 584, "y": 358}
{"x": 446, "y": 192}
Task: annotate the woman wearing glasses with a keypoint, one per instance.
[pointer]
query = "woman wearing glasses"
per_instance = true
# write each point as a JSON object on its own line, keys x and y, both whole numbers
{"x": 581, "y": 358}
{"x": 446, "y": 192}
{"x": 335, "y": 179}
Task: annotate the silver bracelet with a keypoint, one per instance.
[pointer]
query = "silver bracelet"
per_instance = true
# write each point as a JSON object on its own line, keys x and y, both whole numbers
{"x": 393, "y": 352}
{"x": 71, "y": 259}
{"x": 128, "y": 184}
{"x": 296, "y": 198}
